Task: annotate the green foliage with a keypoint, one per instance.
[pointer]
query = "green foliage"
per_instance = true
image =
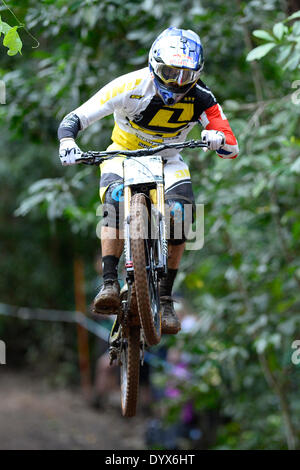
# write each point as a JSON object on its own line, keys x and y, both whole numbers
{"x": 12, "y": 41}
{"x": 11, "y": 38}
{"x": 243, "y": 286}
{"x": 286, "y": 39}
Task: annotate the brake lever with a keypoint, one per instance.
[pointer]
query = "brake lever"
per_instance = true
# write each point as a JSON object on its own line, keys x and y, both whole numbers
{"x": 89, "y": 159}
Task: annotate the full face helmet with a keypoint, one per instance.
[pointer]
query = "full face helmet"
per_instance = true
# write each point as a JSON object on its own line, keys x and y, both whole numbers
{"x": 175, "y": 61}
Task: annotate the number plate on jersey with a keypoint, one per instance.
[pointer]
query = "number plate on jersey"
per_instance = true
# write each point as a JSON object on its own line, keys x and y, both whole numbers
{"x": 139, "y": 170}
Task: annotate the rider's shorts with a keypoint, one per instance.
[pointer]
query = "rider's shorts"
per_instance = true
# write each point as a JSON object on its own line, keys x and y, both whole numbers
{"x": 178, "y": 191}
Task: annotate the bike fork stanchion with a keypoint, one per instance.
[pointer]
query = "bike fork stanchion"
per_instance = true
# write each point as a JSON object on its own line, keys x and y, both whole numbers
{"x": 127, "y": 249}
{"x": 162, "y": 238}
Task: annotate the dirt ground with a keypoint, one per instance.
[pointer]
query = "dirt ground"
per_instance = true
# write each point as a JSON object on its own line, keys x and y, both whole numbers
{"x": 34, "y": 416}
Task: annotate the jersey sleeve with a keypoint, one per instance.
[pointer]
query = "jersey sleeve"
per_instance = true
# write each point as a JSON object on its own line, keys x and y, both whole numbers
{"x": 213, "y": 118}
{"x": 103, "y": 103}
{"x": 107, "y": 100}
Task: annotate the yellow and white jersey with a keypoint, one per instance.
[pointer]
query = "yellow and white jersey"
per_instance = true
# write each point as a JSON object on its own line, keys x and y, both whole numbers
{"x": 141, "y": 117}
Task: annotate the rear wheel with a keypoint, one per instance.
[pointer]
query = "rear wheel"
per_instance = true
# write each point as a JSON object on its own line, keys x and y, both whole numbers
{"x": 145, "y": 280}
{"x": 130, "y": 372}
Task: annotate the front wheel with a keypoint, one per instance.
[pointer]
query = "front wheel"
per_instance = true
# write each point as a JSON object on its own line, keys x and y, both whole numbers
{"x": 145, "y": 277}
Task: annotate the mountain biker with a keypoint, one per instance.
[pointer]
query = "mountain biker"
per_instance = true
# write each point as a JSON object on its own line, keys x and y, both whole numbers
{"x": 157, "y": 104}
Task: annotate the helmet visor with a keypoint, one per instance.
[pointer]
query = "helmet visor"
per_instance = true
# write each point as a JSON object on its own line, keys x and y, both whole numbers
{"x": 176, "y": 76}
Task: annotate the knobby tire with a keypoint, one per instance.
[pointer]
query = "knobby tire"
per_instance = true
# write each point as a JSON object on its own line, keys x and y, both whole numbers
{"x": 130, "y": 372}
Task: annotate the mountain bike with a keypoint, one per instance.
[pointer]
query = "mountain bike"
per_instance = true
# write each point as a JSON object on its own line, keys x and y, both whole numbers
{"x": 138, "y": 322}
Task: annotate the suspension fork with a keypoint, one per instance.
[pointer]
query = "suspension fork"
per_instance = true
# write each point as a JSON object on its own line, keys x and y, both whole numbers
{"x": 162, "y": 236}
{"x": 127, "y": 248}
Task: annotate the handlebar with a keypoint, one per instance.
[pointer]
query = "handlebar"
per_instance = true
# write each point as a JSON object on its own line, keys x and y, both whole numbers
{"x": 96, "y": 158}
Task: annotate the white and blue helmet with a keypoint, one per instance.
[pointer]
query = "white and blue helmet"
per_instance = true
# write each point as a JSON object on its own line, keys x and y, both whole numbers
{"x": 176, "y": 61}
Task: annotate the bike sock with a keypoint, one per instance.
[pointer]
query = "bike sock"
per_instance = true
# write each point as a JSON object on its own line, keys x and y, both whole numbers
{"x": 166, "y": 284}
{"x": 110, "y": 268}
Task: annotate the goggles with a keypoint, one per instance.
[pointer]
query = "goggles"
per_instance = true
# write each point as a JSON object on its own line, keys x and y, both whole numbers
{"x": 176, "y": 76}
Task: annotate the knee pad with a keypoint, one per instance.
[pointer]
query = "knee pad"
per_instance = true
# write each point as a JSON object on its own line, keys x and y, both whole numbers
{"x": 179, "y": 217}
{"x": 113, "y": 205}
